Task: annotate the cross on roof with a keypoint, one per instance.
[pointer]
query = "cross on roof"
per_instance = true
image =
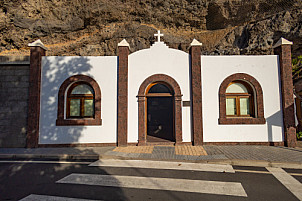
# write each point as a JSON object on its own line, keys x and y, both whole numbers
{"x": 158, "y": 35}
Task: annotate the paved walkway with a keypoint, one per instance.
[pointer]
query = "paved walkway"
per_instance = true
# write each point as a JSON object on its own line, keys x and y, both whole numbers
{"x": 223, "y": 154}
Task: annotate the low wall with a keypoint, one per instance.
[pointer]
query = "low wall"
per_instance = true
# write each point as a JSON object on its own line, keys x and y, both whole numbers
{"x": 14, "y": 83}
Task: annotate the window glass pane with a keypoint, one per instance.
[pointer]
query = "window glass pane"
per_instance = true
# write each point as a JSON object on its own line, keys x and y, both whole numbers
{"x": 236, "y": 88}
{"x": 88, "y": 107}
{"x": 82, "y": 89}
{"x": 159, "y": 88}
{"x": 231, "y": 106}
{"x": 75, "y": 110}
{"x": 244, "y": 106}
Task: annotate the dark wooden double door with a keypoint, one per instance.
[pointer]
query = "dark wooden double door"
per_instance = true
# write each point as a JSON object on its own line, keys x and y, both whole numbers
{"x": 160, "y": 119}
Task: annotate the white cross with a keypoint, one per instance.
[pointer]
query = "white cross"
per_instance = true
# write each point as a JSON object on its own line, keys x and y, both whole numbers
{"x": 158, "y": 35}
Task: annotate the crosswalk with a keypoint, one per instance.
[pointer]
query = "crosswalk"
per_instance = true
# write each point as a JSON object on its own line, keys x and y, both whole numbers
{"x": 183, "y": 185}
{"x": 164, "y": 165}
{"x": 34, "y": 197}
{"x": 229, "y": 188}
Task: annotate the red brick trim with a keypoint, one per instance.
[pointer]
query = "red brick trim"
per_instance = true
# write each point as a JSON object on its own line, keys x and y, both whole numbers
{"x": 196, "y": 100}
{"x": 122, "y": 99}
{"x": 78, "y": 145}
{"x": 32, "y": 137}
{"x": 284, "y": 52}
{"x": 258, "y": 94}
{"x": 61, "y": 120}
{"x": 142, "y": 112}
{"x": 246, "y": 143}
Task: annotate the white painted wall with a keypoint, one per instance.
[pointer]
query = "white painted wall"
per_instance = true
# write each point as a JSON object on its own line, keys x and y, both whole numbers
{"x": 55, "y": 70}
{"x": 158, "y": 59}
{"x": 265, "y": 70}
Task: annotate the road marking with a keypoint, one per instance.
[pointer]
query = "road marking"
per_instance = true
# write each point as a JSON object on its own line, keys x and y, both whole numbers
{"x": 288, "y": 181}
{"x": 264, "y": 172}
{"x": 295, "y": 174}
{"x": 34, "y": 197}
{"x": 252, "y": 171}
{"x": 60, "y": 162}
{"x": 164, "y": 165}
{"x": 184, "y": 185}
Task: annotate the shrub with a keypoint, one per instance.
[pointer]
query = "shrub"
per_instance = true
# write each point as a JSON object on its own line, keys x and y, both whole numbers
{"x": 299, "y": 135}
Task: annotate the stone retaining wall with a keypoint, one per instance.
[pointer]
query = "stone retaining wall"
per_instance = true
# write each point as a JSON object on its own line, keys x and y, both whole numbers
{"x": 14, "y": 83}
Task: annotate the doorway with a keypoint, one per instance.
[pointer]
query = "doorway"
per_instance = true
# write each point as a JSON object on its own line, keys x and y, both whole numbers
{"x": 160, "y": 113}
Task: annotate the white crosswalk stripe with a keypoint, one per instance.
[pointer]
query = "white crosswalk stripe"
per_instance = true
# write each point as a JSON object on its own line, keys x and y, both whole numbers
{"x": 151, "y": 183}
{"x": 288, "y": 181}
{"x": 34, "y": 197}
{"x": 183, "y": 185}
{"x": 164, "y": 165}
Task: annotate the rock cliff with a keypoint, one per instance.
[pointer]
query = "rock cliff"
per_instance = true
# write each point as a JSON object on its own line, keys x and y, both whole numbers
{"x": 94, "y": 27}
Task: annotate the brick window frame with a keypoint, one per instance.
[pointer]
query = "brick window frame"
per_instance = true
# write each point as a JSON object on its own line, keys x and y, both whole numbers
{"x": 61, "y": 119}
{"x": 258, "y": 101}
{"x": 142, "y": 130}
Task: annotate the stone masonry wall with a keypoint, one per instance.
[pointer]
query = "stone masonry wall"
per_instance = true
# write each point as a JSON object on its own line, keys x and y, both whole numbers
{"x": 14, "y": 83}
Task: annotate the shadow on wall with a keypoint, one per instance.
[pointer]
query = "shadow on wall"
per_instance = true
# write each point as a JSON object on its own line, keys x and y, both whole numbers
{"x": 272, "y": 121}
{"x": 55, "y": 71}
{"x": 19, "y": 180}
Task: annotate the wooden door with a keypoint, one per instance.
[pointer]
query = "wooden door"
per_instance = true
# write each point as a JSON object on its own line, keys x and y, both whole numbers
{"x": 160, "y": 119}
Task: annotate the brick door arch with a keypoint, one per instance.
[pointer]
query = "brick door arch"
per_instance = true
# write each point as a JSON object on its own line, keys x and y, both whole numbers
{"x": 142, "y": 107}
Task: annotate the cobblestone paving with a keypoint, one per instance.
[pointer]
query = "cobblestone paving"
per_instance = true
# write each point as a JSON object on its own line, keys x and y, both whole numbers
{"x": 214, "y": 152}
{"x": 209, "y": 152}
{"x": 267, "y": 153}
{"x": 190, "y": 150}
{"x": 135, "y": 149}
{"x": 168, "y": 152}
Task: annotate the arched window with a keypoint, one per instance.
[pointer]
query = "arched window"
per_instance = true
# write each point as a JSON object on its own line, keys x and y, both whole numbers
{"x": 79, "y": 102}
{"x": 241, "y": 100}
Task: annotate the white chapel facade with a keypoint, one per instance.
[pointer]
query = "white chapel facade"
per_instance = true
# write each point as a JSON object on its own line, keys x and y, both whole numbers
{"x": 160, "y": 95}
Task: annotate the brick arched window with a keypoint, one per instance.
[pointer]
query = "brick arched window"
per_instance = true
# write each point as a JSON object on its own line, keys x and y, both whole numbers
{"x": 79, "y": 102}
{"x": 241, "y": 100}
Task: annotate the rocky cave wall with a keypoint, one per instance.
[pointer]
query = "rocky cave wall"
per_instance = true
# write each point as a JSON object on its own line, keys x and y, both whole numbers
{"x": 94, "y": 27}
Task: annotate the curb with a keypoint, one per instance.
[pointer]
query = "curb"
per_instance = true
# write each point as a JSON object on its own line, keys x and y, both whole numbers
{"x": 239, "y": 162}
{"x": 258, "y": 163}
{"x": 49, "y": 156}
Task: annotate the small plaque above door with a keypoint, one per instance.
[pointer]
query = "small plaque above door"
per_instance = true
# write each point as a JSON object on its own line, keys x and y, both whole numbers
{"x": 186, "y": 103}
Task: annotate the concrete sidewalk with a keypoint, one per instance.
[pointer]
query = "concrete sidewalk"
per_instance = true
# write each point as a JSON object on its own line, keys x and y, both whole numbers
{"x": 233, "y": 154}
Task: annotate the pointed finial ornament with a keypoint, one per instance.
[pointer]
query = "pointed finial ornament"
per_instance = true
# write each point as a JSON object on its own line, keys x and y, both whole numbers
{"x": 37, "y": 43}
{"x": 158, "y": 35}
{"x": 282, "y": 41}
{"x": 123, "y": 43}
{"x": 195, "y": 43}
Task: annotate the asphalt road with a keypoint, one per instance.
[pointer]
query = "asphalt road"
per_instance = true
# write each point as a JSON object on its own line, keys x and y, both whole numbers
{"x": 19, "y": 180}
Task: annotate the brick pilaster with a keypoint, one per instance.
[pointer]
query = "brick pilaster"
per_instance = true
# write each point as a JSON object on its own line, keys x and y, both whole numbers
{"x": 37, "y": 50}
{"x": 141, "y": 124}
{"x": 196, "y": 94}
{"x": 122, "y": 102}
{"x": 283, "y": 49}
